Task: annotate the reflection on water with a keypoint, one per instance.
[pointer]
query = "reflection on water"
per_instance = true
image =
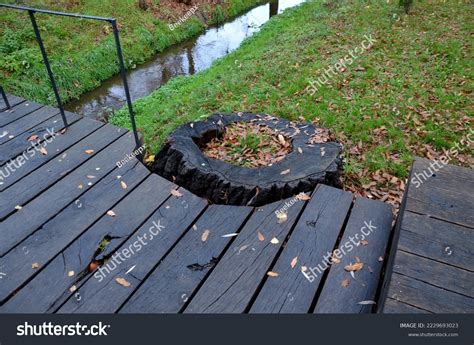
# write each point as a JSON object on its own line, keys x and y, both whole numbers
{"x": 186, "y": 58}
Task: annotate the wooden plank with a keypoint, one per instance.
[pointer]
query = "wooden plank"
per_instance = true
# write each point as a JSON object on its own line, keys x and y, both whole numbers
{"x": 396, "y": 307}
{"x": 313, "y": 238}
{"x": 35, "y": 118}
{"x": 235, "y": 280}
{"x": 369, "y": 221}
{"x": 25, "y": 221}
{"x": 428, "y": 297}
{"x": 33, "y": 160}
{"x": 168, "y": 288}
{"x": 435, "y": 273}
{"x": 446, "y": 195}
{"x": 20, "y": 143}
{"x": 51, "y": 238}
{"x": 138, "y": 256}
{"x": 438, "y": 240}
{"x": 17, "y": 112}
{"x": 22, "y": 192}
{"x": 50, "y": 288}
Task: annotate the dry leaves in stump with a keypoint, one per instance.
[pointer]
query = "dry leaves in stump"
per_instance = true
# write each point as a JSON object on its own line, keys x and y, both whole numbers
{"x": 249, "y": 145}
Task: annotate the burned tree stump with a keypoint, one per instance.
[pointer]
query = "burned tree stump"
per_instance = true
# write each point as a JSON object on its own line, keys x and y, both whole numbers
{"x": 312, "y": 160}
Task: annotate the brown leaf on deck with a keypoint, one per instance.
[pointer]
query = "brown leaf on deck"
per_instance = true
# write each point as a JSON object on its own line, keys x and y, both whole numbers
{"x": 123, "y": 282}
{"x": 176, "y": 193}
{"x": 205, "y": 235}
{"x": 294, "y": 262}
{"x": 354, "y": 267}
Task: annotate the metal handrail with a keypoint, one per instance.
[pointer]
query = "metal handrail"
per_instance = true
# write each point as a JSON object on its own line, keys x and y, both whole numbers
{"x": 5, "y": 99}
{"x": 113, "y": 22}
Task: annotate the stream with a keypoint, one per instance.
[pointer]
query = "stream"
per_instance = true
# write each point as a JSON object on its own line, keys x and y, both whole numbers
{"x": 186, "y": 58}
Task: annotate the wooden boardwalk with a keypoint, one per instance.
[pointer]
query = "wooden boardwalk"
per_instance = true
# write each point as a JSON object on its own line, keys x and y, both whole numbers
{"x": 433, "y": 269}
{"x": 78, "y": 234}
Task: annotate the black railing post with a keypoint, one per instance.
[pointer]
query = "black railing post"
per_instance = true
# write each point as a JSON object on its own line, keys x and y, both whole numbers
{"x": 48, "y": 67}
{"x": 113, "y": 22}
{"x": 5, "y": 99}
{"x": 124, "y": 80}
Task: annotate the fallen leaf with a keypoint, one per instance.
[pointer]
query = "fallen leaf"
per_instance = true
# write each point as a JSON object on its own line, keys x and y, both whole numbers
{"x": 122, "y": 282}
{"x": 334, "y": 258}
{"x": 282, "y": 217}
{"x": 150, "y": 159}
{"x": 92, "y": 266}
{"x": 89, "y": 152}
{"x": 284, "y": 172}
{"x": 274, "y": 240}
{"x": 33, "y": 137}
{"x": 281, "y": 139}
{"x": 366, "y": 302}
{"x": 243, "y": 248}
{"x": 345, "y": 283}
{"x": 354, "y": 267}
{"x": 123, "y": 184}
{"x": 176, "y": 193}
{"x": 111, "y": 213}
{"x": 70, "y": 273}
{"x": 35, "y": 265}
{"x": 43, "y": 151}
{"x": 260, "y": 236}
{"x": 205, "y": 235}
{"x": 364, "y": 242}
{"x": 272, "y": 274}
{"x": 294, "y": 262}
{"x": 303, "y": 196}
{"x": 80, "y": 186}
{"x": 73, "y": 288}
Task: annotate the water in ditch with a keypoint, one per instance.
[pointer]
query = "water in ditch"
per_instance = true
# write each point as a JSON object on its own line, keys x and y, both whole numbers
{"x": 185, "y": 58}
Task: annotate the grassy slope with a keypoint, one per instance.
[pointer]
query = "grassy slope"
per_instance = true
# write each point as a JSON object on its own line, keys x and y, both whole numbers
{"x": 82, "y": 52}
{"x": 412, "y": 98}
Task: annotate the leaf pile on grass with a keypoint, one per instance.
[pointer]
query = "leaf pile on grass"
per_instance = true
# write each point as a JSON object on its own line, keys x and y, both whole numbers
{"x": 248, "y": 145}
{"x": 409, "y": 95}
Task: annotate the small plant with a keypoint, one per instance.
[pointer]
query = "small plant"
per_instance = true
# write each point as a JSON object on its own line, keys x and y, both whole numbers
{"x": 250, "y": 141}
{"x": 218, "y": 15}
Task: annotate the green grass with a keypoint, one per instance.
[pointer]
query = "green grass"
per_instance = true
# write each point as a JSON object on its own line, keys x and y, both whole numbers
{"x": 412, "y": 98}
{"x": 82, "y": 52}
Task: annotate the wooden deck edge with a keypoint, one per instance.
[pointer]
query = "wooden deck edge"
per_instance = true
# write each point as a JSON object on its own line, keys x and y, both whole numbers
{"x": 392, "y": 250}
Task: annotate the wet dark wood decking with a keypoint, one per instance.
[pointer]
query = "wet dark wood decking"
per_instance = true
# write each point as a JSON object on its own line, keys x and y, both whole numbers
{"x": 433, "y": 269}
{"x": 62, "y": 250}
